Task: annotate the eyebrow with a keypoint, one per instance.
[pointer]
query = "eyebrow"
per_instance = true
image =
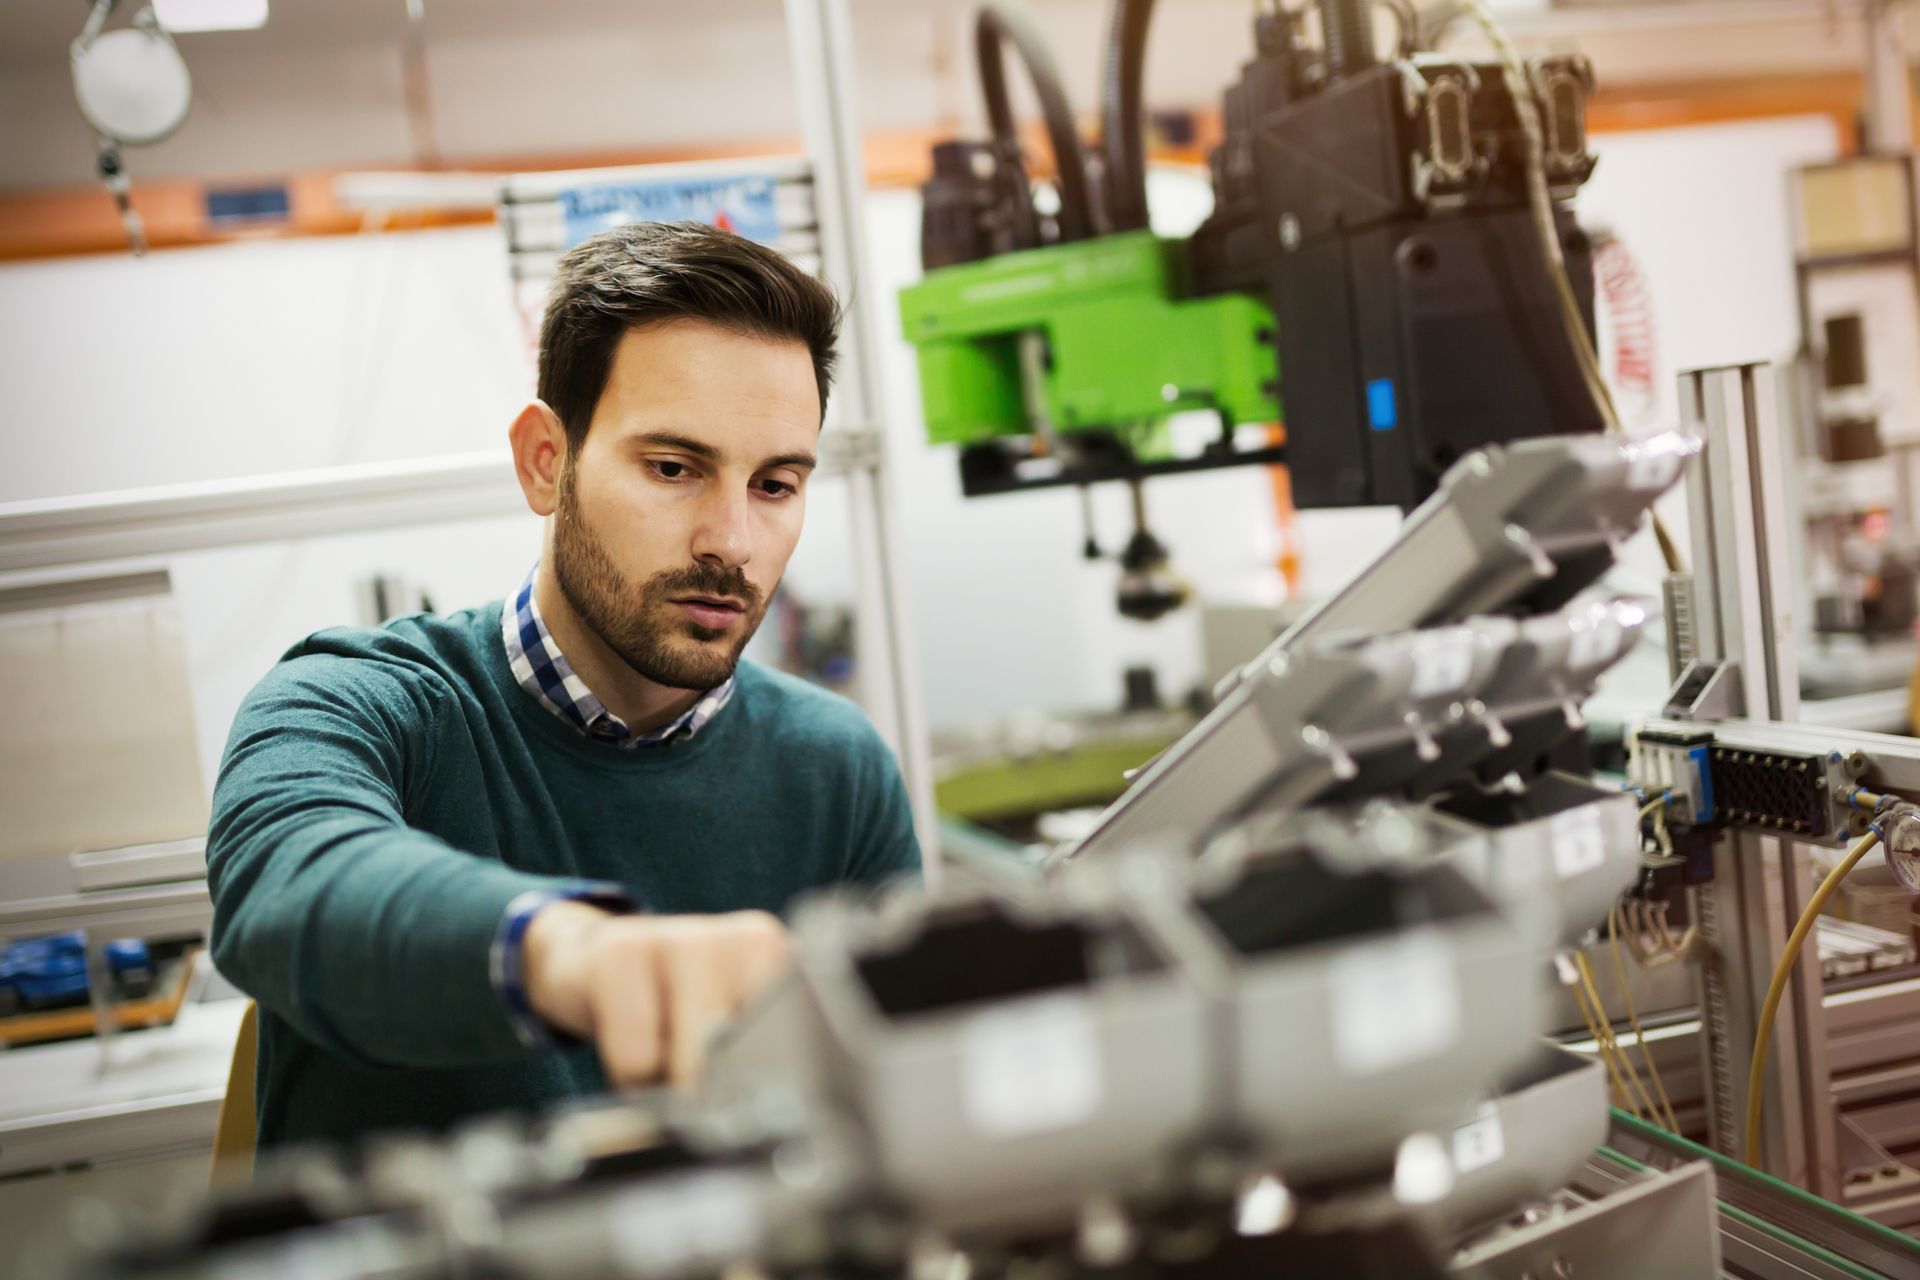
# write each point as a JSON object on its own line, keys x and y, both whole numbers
{"x": 701, "y": 449}
{"x": 685, "y": 444}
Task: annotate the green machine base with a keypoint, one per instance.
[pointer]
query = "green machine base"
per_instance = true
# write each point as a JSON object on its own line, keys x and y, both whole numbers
{"x": 1087, "y": 349}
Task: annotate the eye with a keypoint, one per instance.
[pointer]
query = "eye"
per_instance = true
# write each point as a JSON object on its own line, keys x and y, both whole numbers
{"x": 771, "y": 488}
{"x": 668, "y": 469}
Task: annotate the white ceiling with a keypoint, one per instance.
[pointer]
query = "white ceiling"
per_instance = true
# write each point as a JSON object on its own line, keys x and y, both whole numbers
{"x": 33, "y": 30}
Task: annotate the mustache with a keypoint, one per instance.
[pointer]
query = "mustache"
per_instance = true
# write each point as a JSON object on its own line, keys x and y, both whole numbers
{"x": 704, "y": 580}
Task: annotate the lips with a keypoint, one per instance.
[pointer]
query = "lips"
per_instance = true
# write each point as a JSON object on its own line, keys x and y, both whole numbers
{"x": 716, "y": 613}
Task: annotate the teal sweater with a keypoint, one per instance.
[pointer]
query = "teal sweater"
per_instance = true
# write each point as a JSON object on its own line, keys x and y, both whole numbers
{"x": 386, "y": 793}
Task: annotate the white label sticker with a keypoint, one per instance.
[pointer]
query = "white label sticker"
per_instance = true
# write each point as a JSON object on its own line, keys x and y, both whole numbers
{"x": 1479, "y": 1142}
{"x": 1031, "y": 1067}
{"x": 1442, "y": 663}
{"x": 1392, "y": 1002}
{"x": 1521, "y": 869}
{"x": 1579, "y": 845}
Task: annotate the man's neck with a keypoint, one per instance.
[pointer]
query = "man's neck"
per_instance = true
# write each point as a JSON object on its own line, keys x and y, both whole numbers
{"x": 641, "y": 704}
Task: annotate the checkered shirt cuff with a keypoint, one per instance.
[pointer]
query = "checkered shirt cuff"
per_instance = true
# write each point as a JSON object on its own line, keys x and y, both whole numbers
{"x": 506, "y": 958}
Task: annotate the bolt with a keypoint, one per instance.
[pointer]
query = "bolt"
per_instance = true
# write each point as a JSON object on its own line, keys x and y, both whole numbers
{"x": 1289, "y": 232}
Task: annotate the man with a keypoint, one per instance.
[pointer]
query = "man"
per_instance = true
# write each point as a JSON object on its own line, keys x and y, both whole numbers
{"x": 510, "y": 856}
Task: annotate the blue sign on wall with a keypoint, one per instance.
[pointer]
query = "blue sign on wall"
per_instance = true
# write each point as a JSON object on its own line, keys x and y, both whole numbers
{"x": 741, "y": 203}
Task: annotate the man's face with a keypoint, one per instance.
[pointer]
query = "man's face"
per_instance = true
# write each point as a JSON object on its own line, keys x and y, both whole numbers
{"x": 676, "y": 516}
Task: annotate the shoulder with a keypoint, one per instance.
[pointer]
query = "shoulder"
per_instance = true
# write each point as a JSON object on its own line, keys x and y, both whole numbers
{"x": 405, "y": 668}
{"x": 798, "y": 713}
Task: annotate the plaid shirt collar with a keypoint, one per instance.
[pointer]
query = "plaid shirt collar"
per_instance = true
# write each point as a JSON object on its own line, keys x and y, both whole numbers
{"x": 543, "y": 671}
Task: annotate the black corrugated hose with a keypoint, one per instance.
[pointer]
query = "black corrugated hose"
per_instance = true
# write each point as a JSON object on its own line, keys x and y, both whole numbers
{"x": 1346, "y": 28}
{"x": 1122, "y": 129}
{"x": 1010, "y": 22}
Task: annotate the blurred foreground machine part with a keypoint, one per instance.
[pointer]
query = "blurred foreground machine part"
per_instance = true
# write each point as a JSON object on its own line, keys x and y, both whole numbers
{"x": 1085, "y": 1072}
{"x": 1515, "y": 530}
{"x": 1301, "y": 1040}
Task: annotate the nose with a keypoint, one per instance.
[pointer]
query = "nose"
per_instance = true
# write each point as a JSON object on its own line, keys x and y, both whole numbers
{"x": 722, "y": 537}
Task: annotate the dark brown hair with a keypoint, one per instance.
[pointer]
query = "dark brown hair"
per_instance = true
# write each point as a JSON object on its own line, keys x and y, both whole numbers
{"x": 644, "y": 273}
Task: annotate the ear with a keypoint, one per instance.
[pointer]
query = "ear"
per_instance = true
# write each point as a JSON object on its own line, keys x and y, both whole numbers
{"x": 539, "y": 449}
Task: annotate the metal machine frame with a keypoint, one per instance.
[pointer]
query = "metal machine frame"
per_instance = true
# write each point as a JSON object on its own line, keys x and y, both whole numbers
{"x": 1731, "y": 653}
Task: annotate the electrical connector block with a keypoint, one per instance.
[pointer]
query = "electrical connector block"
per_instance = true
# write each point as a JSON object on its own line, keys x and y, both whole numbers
{"x": 1678, "y": 766}
{"x": 1792, "y": 793}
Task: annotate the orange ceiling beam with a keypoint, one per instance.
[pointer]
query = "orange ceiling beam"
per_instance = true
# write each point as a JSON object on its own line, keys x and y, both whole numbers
{"x": 81, "y": 220}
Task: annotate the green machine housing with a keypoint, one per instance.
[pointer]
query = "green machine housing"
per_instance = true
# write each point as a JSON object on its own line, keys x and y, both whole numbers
{"x": 1389, "y": 224}
{"x": 1101, "y": 340}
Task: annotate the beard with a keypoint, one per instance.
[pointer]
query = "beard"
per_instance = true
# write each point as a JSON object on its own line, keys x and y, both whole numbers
{"x": 641, "y": 623}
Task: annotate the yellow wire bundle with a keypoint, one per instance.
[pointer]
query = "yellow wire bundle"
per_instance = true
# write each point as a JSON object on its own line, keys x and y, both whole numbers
{"x": 1756, "y": 1075}
{"x": 1640, "y": 1037}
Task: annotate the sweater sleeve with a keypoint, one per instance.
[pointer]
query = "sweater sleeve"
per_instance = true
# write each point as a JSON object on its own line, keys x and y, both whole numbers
{"x": 885, "y": 845}
{"x": 373, "y": 939}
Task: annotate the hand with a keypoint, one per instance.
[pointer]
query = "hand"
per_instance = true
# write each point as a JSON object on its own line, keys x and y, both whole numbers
{"x": 649, "y": 991}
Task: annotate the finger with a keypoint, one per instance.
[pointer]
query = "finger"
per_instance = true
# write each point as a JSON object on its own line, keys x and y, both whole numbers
{"x": 760, "y": 952}
{"x": 699, "y": 997}
{"x": 629, "y": 1013}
